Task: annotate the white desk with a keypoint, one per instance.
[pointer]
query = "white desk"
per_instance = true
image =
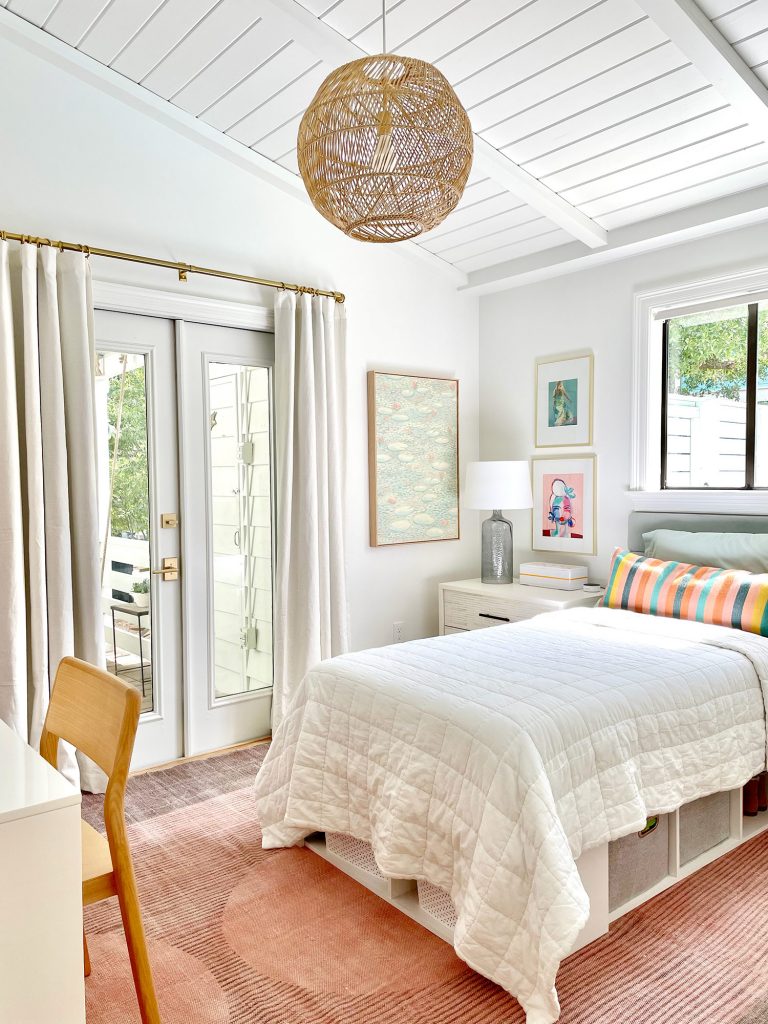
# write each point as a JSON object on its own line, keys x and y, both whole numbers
{"x": 41, "y": 909}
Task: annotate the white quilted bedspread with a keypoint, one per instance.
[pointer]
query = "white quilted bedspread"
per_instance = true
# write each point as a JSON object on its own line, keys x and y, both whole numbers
{"x": 486, "y": 763}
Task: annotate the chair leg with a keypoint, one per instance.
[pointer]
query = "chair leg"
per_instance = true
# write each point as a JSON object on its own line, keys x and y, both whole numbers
{"x": 86, "y": 957}
{"x": 135, "y": 938}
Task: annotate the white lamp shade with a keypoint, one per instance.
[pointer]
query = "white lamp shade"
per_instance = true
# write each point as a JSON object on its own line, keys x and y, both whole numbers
{"x": 498, "y": 485}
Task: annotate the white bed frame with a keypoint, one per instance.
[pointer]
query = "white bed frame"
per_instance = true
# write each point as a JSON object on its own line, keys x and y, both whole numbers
{"x": 593, "y": 867}
{"x": 418, "y": 900}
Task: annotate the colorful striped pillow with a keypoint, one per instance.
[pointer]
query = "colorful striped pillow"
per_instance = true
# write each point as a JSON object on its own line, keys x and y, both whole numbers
{"x": 723, "y": 597}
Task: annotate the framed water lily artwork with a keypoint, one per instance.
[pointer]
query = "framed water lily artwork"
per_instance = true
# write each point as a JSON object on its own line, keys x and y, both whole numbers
{"x": 564, "y": 504}
{"x": 413, "y": 457}
{"x": 564, "y": 400}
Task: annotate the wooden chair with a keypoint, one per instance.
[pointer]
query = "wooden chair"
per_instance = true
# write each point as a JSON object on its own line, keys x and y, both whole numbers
{"x": 99, "y": 714}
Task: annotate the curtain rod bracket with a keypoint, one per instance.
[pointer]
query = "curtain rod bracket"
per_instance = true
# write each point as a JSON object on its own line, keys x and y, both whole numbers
{"x": 183, "y": 274}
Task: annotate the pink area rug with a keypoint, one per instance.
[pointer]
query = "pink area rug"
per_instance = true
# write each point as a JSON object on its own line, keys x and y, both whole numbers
{"x": 243, "y": 936}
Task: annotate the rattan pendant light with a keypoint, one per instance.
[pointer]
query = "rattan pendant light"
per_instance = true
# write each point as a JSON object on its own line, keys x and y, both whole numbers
{"x": 385, "y": 147}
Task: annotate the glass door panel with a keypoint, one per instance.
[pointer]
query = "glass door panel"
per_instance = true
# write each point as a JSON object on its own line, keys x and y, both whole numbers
{"x": 241, "y": 527}
{"x": 135, "y": 384}
{"x": 123, "y": 473}
{"x": 225, "y": 380}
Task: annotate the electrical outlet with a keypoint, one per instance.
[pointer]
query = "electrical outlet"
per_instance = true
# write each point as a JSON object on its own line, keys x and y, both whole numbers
{"x": 397, "y": 632}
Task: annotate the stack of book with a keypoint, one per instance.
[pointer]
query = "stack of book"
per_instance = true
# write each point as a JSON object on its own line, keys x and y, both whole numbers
{"x": 756, "y": 795}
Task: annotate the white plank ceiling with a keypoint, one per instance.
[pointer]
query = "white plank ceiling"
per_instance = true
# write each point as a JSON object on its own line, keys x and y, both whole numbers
{"x": 589, "y": 97}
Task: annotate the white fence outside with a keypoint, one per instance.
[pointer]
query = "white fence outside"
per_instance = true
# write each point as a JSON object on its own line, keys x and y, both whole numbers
{"x": 706, "y": 442}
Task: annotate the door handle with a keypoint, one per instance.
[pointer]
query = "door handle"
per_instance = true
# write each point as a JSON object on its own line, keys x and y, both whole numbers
{"x": 170, "y": 570}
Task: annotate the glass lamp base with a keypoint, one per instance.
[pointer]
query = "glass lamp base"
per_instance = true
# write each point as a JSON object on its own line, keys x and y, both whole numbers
{"x": 497, "y": 549}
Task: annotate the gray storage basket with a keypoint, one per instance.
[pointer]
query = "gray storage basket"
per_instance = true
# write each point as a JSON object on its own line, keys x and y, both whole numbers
{"x": 637, "y": 862}
{"x": 703, "y": 824}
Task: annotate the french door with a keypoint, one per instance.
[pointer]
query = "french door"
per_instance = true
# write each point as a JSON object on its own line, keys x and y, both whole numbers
{"x": 184, "y": 420}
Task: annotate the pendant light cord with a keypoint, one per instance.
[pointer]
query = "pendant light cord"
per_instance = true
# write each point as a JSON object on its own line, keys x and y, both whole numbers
{"x": 384, "y": 26}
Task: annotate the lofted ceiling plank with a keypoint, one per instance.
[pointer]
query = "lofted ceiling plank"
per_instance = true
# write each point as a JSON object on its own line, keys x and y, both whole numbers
{"x": 118, "y": 24}
{"x": 707, "y": 180}
{"x": 36, "y": 12}
{"x": 508, "y": 221}
{"x": 235, "y": 66}
{"x": 602, "y": 100}
{"x": 512, "y": 36}
{"x": 225, "y": 24}
{"x": 448, "y": 29}
{"x": 335, "y": 49}
{"x": 716, "y": 186}
{"x": 158, "y": 36}
{"x": 534, "y": 227}
{"x": 268, "y": 79}
{"x": 274, "y": 118}
{"x": 698, "y": 38}
{"x": 556, "y": 63}
{"x": 670, "y": 151}
{"x": 575, "y": 73}
{"x": 550, "y": 239}
{"x": 72, "y": 19}
{"x": 741, "y": 209}
{"x": 408, "y": 21}
{"x": 649, "y": 133}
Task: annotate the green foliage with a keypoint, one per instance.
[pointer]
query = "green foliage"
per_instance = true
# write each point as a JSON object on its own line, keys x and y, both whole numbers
{"x": 130, "y": 500}
{"x": 708, "y": 356}
{"x": 141, "y": 586}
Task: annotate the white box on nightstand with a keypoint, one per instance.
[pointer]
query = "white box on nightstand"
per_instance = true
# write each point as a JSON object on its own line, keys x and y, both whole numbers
{"x": 553, "y": 575}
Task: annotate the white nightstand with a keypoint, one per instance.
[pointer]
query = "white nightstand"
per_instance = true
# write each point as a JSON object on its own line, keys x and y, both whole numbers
{"x": 470, "y": 604}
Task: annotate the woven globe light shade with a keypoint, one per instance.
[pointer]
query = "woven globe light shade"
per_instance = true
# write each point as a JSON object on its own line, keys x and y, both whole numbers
{"x": 385, "y": 148}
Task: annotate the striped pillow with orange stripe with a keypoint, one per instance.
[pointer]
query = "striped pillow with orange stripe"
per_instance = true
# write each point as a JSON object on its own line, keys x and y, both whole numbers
{"x": 722, "y": 597}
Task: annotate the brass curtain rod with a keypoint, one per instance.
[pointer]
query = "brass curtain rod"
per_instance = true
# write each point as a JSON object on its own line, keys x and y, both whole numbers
{"x": 183, "y": 269}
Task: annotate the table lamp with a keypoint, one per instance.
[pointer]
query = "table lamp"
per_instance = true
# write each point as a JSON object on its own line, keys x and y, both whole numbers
{"x": 496, "y": 486}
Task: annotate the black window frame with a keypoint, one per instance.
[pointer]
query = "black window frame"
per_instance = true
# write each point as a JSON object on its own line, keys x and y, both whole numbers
{"x": 753, "y": 343}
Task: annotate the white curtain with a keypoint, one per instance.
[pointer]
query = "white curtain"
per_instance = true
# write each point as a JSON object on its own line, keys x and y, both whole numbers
{"x": 310, "y": 616}
{"x": 49, "y": 543}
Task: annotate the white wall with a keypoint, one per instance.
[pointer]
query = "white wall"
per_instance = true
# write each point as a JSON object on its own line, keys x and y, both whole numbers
{"x": 80, "y": 165}
{"x": 593, "y": 310}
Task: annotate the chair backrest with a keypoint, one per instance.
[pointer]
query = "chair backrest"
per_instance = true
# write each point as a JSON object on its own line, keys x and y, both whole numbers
{"x": 94, "y": 711}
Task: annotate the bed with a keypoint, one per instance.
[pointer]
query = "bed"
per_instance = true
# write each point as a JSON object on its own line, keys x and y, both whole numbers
{"x": 511, "y": 771}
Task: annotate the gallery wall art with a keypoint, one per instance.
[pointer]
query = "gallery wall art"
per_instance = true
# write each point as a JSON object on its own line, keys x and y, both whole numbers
{"x": 413, "y": 452}
{"x": 564, "y": 504}
{"x": 564, "y": 401}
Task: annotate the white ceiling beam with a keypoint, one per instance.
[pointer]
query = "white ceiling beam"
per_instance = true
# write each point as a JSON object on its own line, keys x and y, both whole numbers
{"x": 334, "y": 48}
{"x": 694, "y": 34}
{"x": 740, "y": 210}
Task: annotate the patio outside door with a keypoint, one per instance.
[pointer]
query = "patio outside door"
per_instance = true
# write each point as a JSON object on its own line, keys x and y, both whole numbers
{"x": 186, "y": 556}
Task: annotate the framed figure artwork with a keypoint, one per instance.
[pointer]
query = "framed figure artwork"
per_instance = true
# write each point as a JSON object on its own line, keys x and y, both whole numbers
{"x": 413, "y": 458}
{"x": 564, "y": 504}
{"x": 564, "y": 387}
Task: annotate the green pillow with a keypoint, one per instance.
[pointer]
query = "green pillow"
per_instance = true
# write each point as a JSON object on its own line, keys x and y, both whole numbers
{"x": 723, "y": 550}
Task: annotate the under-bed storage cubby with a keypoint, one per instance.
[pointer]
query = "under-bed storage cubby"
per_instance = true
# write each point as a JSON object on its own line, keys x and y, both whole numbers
{"x": 425, "y": 903}
{"x": 638, "y": 862}
{"x": 704, "y": 824}
{"x": 617, "y": 876}
{"x": 437, "y": 903}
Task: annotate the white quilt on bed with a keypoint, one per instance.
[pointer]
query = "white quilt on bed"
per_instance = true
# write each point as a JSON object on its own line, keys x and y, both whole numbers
{"x": 487, "y": 762}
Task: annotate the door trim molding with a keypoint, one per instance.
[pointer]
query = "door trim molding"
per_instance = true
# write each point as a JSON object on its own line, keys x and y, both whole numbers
{"x": 128, "y": 298}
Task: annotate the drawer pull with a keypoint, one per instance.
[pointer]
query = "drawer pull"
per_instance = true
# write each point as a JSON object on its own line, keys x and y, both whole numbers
{"x": 496, "y": 618}
{"x": 651, "y": 825}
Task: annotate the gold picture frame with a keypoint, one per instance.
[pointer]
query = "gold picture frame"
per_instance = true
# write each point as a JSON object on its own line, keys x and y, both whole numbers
{"x": 413, "y": 458}
{"x": 564, "y": 389}
{"x": 564, "y": 514}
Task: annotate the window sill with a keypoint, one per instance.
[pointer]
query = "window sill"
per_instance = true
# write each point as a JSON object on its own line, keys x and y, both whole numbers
{"x": 728, "y": 502}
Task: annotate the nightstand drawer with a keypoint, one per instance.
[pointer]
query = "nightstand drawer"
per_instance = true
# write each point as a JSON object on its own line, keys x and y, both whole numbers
{"x": 471, "y": 611}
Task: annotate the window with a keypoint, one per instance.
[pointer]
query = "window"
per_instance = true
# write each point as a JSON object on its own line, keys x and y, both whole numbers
{"x": 714, "y": 399}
